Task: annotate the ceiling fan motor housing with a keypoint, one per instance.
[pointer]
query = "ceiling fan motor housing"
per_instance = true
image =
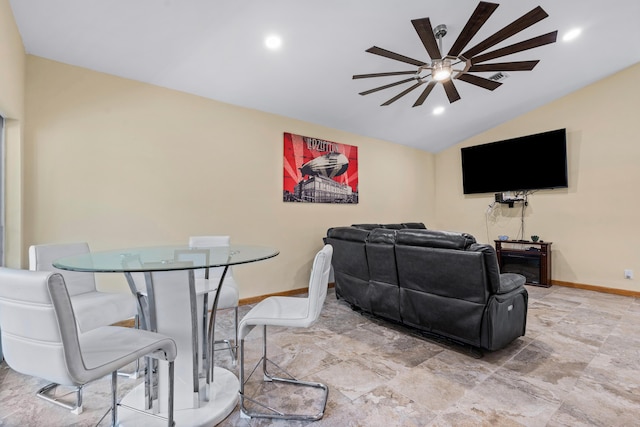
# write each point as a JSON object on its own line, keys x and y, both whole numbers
{"x": 439, "y": 32}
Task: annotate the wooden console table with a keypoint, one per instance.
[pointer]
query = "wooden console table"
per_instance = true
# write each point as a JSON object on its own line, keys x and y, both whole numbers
{"x": 531, "y": 259}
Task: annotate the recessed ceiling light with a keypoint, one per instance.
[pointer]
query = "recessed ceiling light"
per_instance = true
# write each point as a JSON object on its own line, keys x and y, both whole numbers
{"x": 571, "y": 34}
{"x": 438, "y": 110}
{"x": 273, "y": 42}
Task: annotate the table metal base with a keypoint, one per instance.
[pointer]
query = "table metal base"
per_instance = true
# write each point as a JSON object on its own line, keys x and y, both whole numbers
{"x": 224, "y": 399}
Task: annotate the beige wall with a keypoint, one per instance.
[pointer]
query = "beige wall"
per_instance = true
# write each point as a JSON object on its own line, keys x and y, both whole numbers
{"x": 594, "y": 223}
{"x": 119, "y": 163}
{"x": 12, "y": 83}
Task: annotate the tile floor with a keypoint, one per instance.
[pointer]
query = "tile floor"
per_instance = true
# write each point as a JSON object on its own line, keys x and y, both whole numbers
{"x": 577, "y": 366}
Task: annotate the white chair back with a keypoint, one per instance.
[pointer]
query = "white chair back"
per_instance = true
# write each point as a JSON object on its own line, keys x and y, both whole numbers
{"x": 319, "y": 281}
{"x": 68, "y": 330}
{"x": 288, "y": 312}
{"x": 31, "y": 337}
{"x": 41, "y": 258}
{"x": 211, "y": 242}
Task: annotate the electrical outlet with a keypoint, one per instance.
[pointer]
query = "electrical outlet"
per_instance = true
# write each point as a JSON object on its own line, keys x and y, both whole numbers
{"x": 628, "y": 274}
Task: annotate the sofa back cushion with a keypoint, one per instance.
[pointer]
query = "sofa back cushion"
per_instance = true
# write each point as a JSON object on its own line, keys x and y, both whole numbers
{"x": 414, "y": 225}
{"x": 383, "y": 284}
{"x": 367, "y": 226}
{"x": 381, "y": 256}
{"x": 444, "y": 272}
{"x": 350, "y": 267}
{"x": 434, "y": 239}
{"x": 401, "y": 226}
{"x": 440, "y": 262}
{"x": 349, "y": 251}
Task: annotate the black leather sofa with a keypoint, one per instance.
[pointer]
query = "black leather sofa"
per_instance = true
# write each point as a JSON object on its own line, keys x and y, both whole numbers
{"x": 440, "y": 282}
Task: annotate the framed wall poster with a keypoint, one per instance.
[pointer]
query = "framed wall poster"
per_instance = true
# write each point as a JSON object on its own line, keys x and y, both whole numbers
{"x": 319, "y": 171}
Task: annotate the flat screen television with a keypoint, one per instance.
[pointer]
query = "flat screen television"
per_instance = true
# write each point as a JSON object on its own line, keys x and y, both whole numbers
{"x": 531, "y": 162}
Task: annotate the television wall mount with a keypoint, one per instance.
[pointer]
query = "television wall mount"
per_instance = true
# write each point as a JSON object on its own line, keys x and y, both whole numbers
{"x": 508, "y": 198}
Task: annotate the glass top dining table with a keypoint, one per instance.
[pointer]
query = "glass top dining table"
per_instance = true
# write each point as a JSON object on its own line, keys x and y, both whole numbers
{"x": 164, "y": 258}
{"x": 172, "y": 309}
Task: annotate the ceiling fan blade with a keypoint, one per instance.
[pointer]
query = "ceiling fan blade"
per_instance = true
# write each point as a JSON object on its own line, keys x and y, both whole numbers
{"x": 425, "y": 32}
{"x": 423, "y": 96}
{"x": 392, "y": 55}
{"x": 504, "y": 66}
{"x": 403, "y": 93}
{"x": 393, "y": 73}
{"x": 525, "y": 21}
{"x": 518, "y": 47}
{"x": 482, "y": 13}
{"x": 367, "y": 92}
{"x": 479, "y": 81}
{"x": 450, "y": 89}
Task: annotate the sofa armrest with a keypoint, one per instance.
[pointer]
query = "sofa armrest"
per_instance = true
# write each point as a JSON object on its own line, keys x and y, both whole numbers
{"x": 510, "y": 281}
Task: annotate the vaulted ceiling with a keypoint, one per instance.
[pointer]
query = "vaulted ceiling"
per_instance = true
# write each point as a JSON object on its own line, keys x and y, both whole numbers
{"x": 216, "y": 49}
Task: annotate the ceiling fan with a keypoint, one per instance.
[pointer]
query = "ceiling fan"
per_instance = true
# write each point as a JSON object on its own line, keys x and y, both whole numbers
{"x": 456, "y": 64}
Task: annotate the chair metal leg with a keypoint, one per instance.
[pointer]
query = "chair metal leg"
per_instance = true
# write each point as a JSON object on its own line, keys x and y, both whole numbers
{"x": 206, "y": 354}
{"x": 233, "y": 348}
{"x": 48, "y": 393}
{"x": 273, "y": 412}
{"x": 114, "y": 402}
{"x": 148, "y": 380}
{"x": 171, "y": 391}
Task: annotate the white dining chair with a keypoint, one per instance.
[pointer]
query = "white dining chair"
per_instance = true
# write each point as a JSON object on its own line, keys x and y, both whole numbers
{"x": 207, "y": 281}
{"x": 289, "y": 312}
{"x": 93, "y": 308}
{"x": 41, "y": 338}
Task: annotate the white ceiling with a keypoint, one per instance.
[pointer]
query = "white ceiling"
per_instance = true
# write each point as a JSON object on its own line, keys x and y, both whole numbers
{"x": 215, "y": 49}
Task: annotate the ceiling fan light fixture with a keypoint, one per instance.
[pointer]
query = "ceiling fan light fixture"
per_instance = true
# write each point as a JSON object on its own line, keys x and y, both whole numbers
{"x": 441, "y": 69}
